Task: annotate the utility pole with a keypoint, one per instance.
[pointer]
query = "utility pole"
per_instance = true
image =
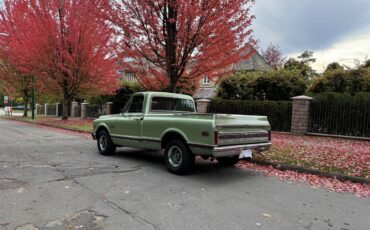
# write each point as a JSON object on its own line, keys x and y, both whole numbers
{"x": 33, "y": 98}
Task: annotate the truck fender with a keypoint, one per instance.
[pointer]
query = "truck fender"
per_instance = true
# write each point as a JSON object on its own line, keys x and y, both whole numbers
{"x": 102, "y": 125}
{"x": 177, "y": 131}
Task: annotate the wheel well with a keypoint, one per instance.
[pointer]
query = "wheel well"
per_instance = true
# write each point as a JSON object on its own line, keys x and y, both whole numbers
{"x": 100, "y": 129}
{"x": 170, "y": 136}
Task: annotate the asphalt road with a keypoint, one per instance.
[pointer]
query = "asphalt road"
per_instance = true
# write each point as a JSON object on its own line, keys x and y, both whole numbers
{"x": 50, "y": 180}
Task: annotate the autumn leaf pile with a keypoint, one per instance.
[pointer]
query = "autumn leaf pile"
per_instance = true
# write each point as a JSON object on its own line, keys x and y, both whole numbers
{"x": 338, "y": 155}
{"x": 346, "y": 156}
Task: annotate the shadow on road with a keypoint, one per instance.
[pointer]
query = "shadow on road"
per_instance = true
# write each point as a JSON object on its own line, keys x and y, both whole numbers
{"x": 205, "y": 170}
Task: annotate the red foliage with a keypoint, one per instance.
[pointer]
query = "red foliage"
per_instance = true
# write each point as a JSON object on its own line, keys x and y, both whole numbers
{"x": 273, "y": 56}
{"x": 62, "y": 41}
{"x": 339, "y": 155}
{"x": 346, "y": 156}
{"x": 361, "y": 190}
{"x": 175, "y": 42}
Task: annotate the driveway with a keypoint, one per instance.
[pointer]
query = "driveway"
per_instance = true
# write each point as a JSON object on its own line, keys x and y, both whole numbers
{"x": 51, "y": 180}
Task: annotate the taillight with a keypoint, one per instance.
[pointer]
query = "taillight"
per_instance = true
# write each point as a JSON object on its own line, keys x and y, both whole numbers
{"x": 216, "y": 138}
{"x": 269, "y": 135}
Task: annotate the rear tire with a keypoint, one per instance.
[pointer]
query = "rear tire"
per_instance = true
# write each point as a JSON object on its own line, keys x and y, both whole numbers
{"x": 178, "y": 157}
{"x": 105, "y": 143}
{"x": 228, "y": 161}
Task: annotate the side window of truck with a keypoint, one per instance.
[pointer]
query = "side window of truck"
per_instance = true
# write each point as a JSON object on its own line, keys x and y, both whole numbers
{"x": 137, "y": 104}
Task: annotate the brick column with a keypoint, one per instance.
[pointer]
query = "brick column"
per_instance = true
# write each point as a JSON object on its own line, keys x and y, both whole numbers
{"x": 74, "y": 106}
{"x": 301, "y": 115}
{"x": 203, "y": 105}
{"x": 109, "y": 108}
{"x": 57, "y": 109}
{"x": 84, "y": 110}
{"x": 37, "y": 108}
{"x": 46, "y": 109}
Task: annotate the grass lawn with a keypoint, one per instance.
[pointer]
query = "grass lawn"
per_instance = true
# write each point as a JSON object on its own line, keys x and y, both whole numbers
{"x": 78, "y": 124}
{"x": 339, "y": 155}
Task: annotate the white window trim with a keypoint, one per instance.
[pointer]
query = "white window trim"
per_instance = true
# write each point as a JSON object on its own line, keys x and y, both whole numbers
{"x": 206, "y": 81}
{"x": 130, "y": 77}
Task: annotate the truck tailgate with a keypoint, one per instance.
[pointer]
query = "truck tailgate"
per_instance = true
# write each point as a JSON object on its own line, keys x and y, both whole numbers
{"x": 241, "y": 129}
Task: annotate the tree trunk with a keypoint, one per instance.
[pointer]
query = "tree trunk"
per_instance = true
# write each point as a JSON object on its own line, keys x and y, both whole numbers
{"x": 171, "y": 46}
{"x": 65, "y": 109}
{"x": 25, "y": 111}
{"x": 65, "y": 100}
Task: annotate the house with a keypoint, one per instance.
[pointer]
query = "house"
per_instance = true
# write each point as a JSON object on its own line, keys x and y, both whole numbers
{"x": 208, "y": 87}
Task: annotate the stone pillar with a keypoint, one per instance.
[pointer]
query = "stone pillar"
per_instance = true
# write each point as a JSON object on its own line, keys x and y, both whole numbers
{"x": 74, "y": 106}
{"x": 203, "y": 105}
{"x": 84, "y": 110}
{"x": 37, "y": 109}
{"x": 46, "y": 109}
{"x": 57, "y": 109}
{"x": 301, "y": 115}
{"x": 109, "y": 108}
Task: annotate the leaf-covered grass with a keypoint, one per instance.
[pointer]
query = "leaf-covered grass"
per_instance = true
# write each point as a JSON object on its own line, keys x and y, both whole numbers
{"x": 78, "y": 124}
{"x": 337, "y": 155}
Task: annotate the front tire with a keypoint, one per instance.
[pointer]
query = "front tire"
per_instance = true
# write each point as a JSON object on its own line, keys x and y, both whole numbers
{"x": 178, "y": 157}
{"x": 105, "y": 143}
{"x": 228, "y": 161}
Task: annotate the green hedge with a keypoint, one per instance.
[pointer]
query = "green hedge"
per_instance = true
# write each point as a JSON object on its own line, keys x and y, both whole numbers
{"x": 279, "y": 113}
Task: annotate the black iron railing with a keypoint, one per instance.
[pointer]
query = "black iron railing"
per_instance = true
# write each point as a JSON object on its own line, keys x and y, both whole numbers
{"x": 340, "y": 118}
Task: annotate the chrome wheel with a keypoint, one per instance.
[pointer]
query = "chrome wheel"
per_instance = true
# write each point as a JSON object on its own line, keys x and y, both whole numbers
{"x": 175, "y": 156}
{"x": 103, "y": 142}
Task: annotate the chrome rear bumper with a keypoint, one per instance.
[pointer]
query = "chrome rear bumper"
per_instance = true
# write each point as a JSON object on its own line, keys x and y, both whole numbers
{"x": 232, "y": 150}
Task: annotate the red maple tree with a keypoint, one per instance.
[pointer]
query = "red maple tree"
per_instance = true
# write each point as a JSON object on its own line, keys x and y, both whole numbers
{"x": 170, "y": 44}
{"x": 274, "y": 56}
{"x": 62, "y": 41}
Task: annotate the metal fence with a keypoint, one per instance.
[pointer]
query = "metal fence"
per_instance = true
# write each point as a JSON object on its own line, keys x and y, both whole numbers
{"x": 41, "y": 110}
{"x": 279, "y": 113}
{"x": 78, "y": 110}
{"x": 60, "y": 110}
{"x": 340, "y": 118}
{"x": 95, "y": 110}
{"x": 51, "y": 110}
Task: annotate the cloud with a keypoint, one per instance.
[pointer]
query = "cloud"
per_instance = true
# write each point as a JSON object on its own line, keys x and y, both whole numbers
{"x": 348, "y": 51}
{"x": 308, "y": 24}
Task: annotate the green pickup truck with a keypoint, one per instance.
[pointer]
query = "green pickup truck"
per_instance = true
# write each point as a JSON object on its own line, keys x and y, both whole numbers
{"x": 169, "y": 122}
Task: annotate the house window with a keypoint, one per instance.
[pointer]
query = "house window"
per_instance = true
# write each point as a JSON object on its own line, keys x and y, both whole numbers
{"x": 130, "y": 77}
{"x": 205, "y": 81}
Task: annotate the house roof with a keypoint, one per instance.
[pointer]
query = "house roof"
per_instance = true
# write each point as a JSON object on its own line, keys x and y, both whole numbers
{"x": 255, "y": 62}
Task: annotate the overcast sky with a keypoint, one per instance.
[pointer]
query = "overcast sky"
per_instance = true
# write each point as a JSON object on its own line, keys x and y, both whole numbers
{"x": 336, "y": 30}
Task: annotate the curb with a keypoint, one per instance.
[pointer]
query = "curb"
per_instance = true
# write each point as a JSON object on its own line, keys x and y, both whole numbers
{"x": 284, "y": 167}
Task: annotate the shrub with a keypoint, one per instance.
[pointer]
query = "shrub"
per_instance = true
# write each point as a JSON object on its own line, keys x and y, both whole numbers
{"x": 278, "y": 85}
{"x": 342, "y": 81}
{"x": 120, "y": 98}
{"x": 239, "y": 86}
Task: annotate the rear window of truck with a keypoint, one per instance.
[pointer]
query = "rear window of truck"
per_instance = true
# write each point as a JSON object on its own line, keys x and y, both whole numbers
{"x": 164, "y": 104}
